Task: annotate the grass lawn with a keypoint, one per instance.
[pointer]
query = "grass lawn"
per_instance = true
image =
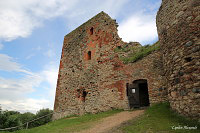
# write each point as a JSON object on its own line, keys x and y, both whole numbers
{"x": 68, "y": 125}
{"x": 157, "y": 119}
{"x": 160, "y": 119}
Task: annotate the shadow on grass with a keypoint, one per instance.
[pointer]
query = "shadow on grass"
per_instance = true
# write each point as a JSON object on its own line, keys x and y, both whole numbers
{"x": 160, "y": 118}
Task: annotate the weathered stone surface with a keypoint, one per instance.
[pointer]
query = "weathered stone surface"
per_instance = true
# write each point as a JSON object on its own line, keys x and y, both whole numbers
{"x": 91, "y": 76}
{"x": 188, "y": 44}
{"x": 181, "y": 53}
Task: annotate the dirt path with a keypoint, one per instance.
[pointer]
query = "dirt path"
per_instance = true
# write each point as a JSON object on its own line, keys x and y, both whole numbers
{"x": 110, "y": 122}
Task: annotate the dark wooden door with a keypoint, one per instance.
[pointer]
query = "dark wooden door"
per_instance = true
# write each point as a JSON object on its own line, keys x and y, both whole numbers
{"x": 133, "y": 95}
{"x": 143, "y": 94}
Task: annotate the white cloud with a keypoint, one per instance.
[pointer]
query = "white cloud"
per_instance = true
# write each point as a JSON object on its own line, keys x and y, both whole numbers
{"x": 87, "y": 9}
{"x": 13, "y": 89}
{"x": 15, "y": 24}
{"x": 50, "y": 75}
{"x": 20, "y": 17}
{"x": 13, "y": 92}
{"x": 7, "y": 64}
{"x": 139, "y": 27}
{"x": 25, "y": 105}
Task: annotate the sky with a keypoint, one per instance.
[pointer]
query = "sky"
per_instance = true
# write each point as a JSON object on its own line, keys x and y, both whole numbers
{"x": 31, "y": 39}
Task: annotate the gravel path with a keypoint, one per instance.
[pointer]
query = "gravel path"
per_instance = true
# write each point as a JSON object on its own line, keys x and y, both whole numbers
{"x": 110, "y": 122}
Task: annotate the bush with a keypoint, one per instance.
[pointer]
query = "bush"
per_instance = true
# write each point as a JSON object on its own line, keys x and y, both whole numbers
{"x": 9, "y": 118}
{"x": 14, "y": 118}
{"x": 3, "y": 119}
{"x": 44, "y": 120}
{"x": 26, "y": 117}
{"x": 12, "y": 121}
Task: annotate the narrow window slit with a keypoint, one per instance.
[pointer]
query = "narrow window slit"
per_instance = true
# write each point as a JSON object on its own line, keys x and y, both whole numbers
{"x": 91, "y": 31}
{"x": 84, "y": 95}
{"x": 89, "y": 55}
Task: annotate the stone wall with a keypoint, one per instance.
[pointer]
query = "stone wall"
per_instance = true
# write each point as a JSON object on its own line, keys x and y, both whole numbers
{"x": 151, "y": 69}
{"x": 91, "y": 76}
{"x": 86, "y": 80}
{"x": 178, "y": 23}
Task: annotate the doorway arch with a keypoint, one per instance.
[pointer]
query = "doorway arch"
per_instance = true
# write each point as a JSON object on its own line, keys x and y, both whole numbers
{"x": 137, "y": 93}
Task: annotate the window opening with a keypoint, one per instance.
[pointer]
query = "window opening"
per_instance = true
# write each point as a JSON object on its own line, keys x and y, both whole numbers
{"x": 89, "y": 55}
{"x": 84, "y": 95}
{"x": 91, "y": 31}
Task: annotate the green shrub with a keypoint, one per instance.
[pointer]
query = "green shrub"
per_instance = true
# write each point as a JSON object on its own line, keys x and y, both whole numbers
{"x": 9, "y": 118}
{"x": 44, "y": 120}
{"x": 13, "y": 118}
{"x": 25, "y": 117}
{"x": 3, "y": 119}
{"x": 12, "y": 121}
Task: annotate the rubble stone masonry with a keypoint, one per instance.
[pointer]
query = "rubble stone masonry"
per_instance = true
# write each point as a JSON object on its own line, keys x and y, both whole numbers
{"x": 178, "y": 23}
{"x": 91, "y": 76}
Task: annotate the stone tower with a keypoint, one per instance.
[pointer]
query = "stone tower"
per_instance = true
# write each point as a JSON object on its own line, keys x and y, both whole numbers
{"x": 178, "y": 25}
{"x": 86, "y": 64}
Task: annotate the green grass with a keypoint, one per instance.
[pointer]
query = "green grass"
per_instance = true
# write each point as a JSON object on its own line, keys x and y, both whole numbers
{"x": 69, "y": 125}
{"x": 157, "y": 119}
{"x": 160, "y": 119}
{"x": 141, "y": 53}
{"x": 137, "y": 53}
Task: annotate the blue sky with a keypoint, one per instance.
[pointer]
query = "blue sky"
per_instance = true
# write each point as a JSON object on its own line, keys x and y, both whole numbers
{"x": 31, "y": 37}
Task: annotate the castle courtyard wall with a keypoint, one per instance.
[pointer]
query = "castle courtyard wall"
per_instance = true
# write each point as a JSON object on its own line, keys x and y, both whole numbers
{"x": 178, "y": 23}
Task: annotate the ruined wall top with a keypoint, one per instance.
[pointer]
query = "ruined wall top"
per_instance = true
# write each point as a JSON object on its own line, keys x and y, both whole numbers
{"x": 80, "y": 31}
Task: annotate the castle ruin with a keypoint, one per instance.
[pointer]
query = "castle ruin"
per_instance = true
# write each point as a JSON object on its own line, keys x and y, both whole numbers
{"x": 92, "y": 78}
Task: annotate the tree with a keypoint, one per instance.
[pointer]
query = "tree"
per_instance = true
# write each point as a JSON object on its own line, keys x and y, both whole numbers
{"x": 9, "y": 119}
{"x": 44, "y": 120}
{"x": 3, "y": 119}
{"x": 26, "y": 117}
{"x": 13, "y": 118}
{"x": 12, "y": 121}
